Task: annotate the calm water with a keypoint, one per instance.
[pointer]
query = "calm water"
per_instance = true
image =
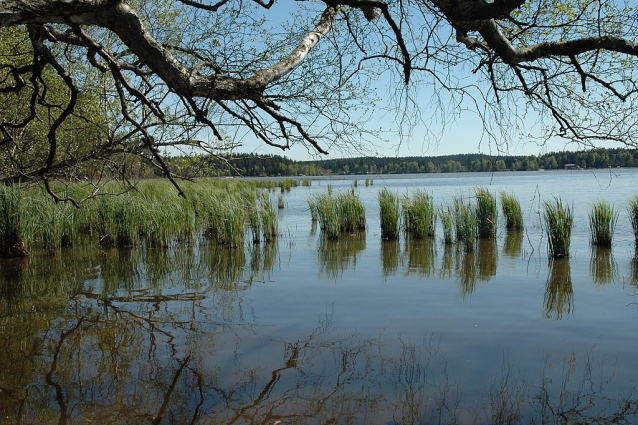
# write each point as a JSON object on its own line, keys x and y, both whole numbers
{"x": 355, "y": 331}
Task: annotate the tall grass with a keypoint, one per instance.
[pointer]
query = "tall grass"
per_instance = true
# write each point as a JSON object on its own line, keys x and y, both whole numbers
{"x": 419, "y": 215}
{"x": 512, "y": 211}
{"x": 602, "y": 223}
{"x": 558, "y": 221}
{"x": 339, "y": 213}
{"x": 486, "y": 213}
{"x": 16, "y": 222}
{"x": 632, "y": 211}
{"x": 466, "y": 224}
{"x": 447, "y": 221}
{"x": 389, "y": 214}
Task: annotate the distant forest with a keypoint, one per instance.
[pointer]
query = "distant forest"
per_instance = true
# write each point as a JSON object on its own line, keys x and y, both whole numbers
{"x": 273, "y": 165}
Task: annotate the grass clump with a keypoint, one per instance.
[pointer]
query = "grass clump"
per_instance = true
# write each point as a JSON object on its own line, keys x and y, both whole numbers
{"x": 602, "y": 223}
{"x": 339, "y": 213}
{"x": 558, "y": 220}
{"x": 419, "y": 215}
{"x": 389, "y": 214}
{"x": 512, "y": 211}
{"x": 486, "y": 213}
{"x": 466, "y": 223}
{"x": 16, "y": 222}
{"x": 447, "y": 221}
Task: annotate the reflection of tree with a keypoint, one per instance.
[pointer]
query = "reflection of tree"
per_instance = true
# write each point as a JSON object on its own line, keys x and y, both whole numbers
{"x": 338, "y": 255}
{"x": 390, "y": 250}
{"x": 559, "y": 293}
{"x": 421, "y": 255}
{"x": 512, "y": 246}
{"x": 486, "y": 258}
{"x": 602, "y": 266}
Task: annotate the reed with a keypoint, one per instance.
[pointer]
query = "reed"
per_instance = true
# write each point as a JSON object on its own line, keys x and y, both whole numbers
{"x": 558, "y": 220}
{"x": 338, "y": 213}
{"x": 419, "y": 215}
{"x": 280, "y": 202}
{"x": 252, "y": 216}
{"x": 352, "y": 211}
{"x": 312, "y": 206}
{"x": 512, "y": 211}
{"x": 632, "y": 211}
{"x": 447, "y": 221}
{"x": 389, "y": 214}
{"x": 16, "y": 222}
{"x": 486, "y": 213}
{"x": 268, "y": 218}
{"x": 602, "y": 223}
{"x": 466, "y": 224}
{"x": 306, "y": 182}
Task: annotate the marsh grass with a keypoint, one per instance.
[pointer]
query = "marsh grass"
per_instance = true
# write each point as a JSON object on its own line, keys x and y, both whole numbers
{"x": 419, "y": 215}
{"x": 466, "y": 223}
{"x": 632, "y": 211}
{"x": 512, "y": 211}
{"x": 389, "y": 214}
{"x": 339, "y": 213}
{"x": 602, "y": 223}
{"x": 447, "y": 222}
{"x": 486, "y": 213}
{"x": 558, "y": 222}
{"x": 17, "y": 222}
{"x": 268, "y": 218}
{"x": 280, "y": 202}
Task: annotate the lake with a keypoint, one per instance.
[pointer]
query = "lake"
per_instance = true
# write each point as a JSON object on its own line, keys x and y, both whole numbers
{"x": 353, "y": 331}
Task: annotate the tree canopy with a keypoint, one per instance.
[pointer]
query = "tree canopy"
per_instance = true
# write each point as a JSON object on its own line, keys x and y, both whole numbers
{"x": 136, "y": 77}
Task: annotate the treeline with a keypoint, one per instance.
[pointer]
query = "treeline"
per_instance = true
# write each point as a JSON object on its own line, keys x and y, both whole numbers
{"x": 273, "y": 165}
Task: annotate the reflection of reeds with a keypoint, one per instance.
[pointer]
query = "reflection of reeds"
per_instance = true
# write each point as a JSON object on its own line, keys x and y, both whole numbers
{"x": 602, "y": 266}
{"x": 390, "y": 251}
{"x": 602, "y": 223}
{"x": 419, "y": 215}
{"x": 559, "y": 293}
{"x": 486, "y": 258}
{"x": 467, "y": 273}
{"x": 558, "y": 223}
{"x": 512, "y": 211}
{"x": 447, "y": 262}
{"x": 389, "y": 214}
{"x": 634, "y": 268}
{"x": 337, "y": 255}
{"x": 486, "y": 213}
{"x": 421, "y": 255}
{"x": 513, "y": 244}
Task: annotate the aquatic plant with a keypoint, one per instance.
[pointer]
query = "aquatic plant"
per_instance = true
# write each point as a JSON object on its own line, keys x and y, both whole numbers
{"x": 268, "y": 218}
{"x": 419, "y": 215}
{"x": 602, "y": 223}
{"x": 352, "y": 211}
{"x": 486, "y": 213}
{"x": 312, "y": 206}
{"x": 389, "y": 214}
{"x": 466, "y": 224}
{"x": 447, "y": 221}
{"x": 512, "y": 211}
{"x": 16, "y": 222}
{"x": 558, "y": 221}
{"x": 280, "y": 202}
{"x": 341, "y": 212}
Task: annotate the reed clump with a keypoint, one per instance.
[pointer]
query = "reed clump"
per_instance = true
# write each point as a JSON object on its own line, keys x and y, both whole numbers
{"x": 339, "y": 213}
{"x": 447, "y": 222}
{"x": 466, "y": 223}
{"x": 486, "y": 213}
{"x": 512, "y": 211}
{"x": 419, "y": 215}
{"x": 558, "y": 221}
{"x": 16, "y": 222}
{"x": 602, "y": 223}
{"x": 389, "y": 214}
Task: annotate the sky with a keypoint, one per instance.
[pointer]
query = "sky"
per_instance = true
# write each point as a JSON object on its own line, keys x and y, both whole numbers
{"x": 464, "y": 134}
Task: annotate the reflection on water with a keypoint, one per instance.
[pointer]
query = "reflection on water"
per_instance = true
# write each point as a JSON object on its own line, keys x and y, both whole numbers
{"x": 447, "y": 261}
{"x": 602, "y": 266}
{"x": 467, "y": 272}
{"x": 513, "y": 243}
{"x": 487, "y": 258}
{"x": 421, "y": 257}
{"x": 634, "y": 268}
{"x": 559, "y": 293}
{"x": 390, "y": 253}
{"x": 338, "y": 255}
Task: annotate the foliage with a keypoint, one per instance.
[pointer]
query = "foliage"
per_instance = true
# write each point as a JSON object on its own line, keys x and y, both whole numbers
{"x": 389, "y": 212}
{"x": 486, "y": 213}
{"x": 419, "y": 215}
{"x": 512, "y": 211}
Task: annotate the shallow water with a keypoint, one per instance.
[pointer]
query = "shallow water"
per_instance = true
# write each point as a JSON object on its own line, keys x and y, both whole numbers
{"x": 359, "y": 330}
